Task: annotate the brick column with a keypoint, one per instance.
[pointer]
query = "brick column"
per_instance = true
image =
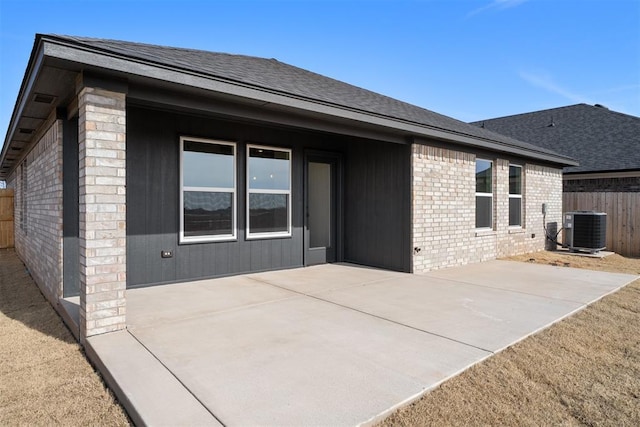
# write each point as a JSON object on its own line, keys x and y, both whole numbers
{"x": 501, "y": 195}
{"x": 102, "y": 179}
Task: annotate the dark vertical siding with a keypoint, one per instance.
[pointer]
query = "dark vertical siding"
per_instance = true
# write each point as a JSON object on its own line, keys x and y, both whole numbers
{"x": 70, "y": 213}
{"x": 377, "y": 205}
{"x": 373, "y": 204}
{"x": 153, "y": 201}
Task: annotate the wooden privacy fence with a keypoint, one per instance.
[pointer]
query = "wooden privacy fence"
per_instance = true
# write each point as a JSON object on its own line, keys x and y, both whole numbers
{"x": 6, "y": 218}
{"x": 623, "y": 217}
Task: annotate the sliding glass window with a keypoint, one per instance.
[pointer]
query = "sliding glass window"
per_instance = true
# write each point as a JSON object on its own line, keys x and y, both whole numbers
{"x": 208, "y": 190}
{"x": 268, "y": 192}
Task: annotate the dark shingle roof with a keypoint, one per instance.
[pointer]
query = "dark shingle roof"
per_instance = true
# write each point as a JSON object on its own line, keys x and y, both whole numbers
{"x": 600, "y": 139}
{"x": 274, "y": 75}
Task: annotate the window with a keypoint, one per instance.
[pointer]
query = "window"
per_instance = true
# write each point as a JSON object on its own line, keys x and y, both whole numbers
{"x": 515, "y": 196}
{"x": 268, "y": 192}
{"x": 484, "y": 194}
{"x": 208, "y": 190}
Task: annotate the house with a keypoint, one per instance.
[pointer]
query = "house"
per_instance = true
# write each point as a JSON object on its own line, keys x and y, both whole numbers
{"x": 607, "y": 146}
{"x": 605, "y": 143}
{"x": 139, "y": 165}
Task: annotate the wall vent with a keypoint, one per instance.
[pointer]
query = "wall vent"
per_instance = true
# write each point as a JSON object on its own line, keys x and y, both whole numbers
{"x": 43, "y": 99}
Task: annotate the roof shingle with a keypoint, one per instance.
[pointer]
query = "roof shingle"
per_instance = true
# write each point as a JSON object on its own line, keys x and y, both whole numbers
{"x": 274, "y": 75}
{"x": 600, "y": 139}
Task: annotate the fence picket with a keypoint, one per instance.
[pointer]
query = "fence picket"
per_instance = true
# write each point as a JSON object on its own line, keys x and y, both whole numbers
{"x": 623, "y": 217}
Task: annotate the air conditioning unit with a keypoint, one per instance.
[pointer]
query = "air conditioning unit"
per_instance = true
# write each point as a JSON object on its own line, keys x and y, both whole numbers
{"x": 585, "y": 231}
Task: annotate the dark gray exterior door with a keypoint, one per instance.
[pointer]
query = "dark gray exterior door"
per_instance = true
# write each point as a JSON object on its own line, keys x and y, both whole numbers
{"x": 321, "y": 208}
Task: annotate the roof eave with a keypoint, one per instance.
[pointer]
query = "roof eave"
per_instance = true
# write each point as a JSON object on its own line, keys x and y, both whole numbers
{"x": 66, "y": 50}
{"x": 34, "y": 65}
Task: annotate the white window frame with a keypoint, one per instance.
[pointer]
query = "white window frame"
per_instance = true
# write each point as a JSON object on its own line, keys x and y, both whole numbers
{"x": 234, "y": 191}
{"x": 255, "y": 236}
{"x": 489, "y": 195}
{"x": 517, "y": 196}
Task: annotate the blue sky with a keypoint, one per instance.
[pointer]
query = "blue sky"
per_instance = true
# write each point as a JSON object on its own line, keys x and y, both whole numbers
{"x": 469, "y": 59}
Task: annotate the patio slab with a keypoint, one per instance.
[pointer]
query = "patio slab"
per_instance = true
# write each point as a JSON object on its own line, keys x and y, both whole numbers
{"x": 327, "y": 345}
{"x": 320, "y": 278}
{"x": 169, "y": 303}
{"x": 151, "y": 394}
{"x": 570, "y": 284}
{"x": 302, "y": 361}
{"x": 483, "y": 317}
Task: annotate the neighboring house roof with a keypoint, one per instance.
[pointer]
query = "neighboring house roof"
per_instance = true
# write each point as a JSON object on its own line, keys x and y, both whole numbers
{"x": 600, "y": 139}
{"x": 271, "y": 83}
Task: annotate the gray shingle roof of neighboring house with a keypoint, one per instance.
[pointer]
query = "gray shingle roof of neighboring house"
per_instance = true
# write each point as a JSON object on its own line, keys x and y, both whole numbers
{"x": 277, "y": 76}
{"x": 600, "y": 139}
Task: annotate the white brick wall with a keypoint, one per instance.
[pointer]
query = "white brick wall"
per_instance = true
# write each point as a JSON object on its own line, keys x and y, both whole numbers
{"x": 38, "y": 237}
{"x": 102, "y": 127}
{"x": 443, "y": 191}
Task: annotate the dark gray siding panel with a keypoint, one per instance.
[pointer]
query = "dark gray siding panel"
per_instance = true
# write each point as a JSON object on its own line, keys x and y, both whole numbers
{"x": 70, "y": 212}
{"x": 153, "y": 202}
{"x": 378, "y": 205}
{"x": 152, "y": 186}
{"x": 376, "y": 200}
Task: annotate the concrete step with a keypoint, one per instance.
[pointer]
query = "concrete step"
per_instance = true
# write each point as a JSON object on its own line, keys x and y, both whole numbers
{"x": 149, "y": 392}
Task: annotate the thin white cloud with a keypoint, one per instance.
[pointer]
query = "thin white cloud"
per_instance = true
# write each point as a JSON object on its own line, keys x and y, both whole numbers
{"x": 498, "y": 5}
{"x": 545, "y": 81}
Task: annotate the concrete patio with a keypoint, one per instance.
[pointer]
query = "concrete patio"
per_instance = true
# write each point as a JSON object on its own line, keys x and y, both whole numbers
{"x": 334, "y": 344}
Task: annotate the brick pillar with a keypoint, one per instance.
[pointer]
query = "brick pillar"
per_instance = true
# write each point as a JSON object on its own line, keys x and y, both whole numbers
{"x": 504, "y": 245}
{"x": 102, "y": 179}
{"x": 501, "y": 195}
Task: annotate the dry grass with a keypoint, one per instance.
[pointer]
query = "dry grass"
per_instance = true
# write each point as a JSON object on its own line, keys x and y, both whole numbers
{"x": 45, "y": 378}
{"x": 584, "y": 370}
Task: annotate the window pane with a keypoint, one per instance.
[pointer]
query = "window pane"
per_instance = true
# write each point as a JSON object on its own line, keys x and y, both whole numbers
{"x": 207, "y": 214}
{"x": 483, "y": 176}
{"x": 515, "y": 180}
{"x": 207, "y": 165}
{"x": 269, "y": 169}
{"x": 483, "y": 212}
{"x": 515, "y": 211}
{"x": 319, "y": 205}
{"x": 268, "y": 213}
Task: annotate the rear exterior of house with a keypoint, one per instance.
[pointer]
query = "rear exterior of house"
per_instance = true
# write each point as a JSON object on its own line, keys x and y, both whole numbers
{"x": 606, "y": 143}
{"x": 137, "y": 165}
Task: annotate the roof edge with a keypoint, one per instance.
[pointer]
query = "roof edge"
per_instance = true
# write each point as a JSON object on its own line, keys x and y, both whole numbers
{"x": 57, "y": 47}
{"x": 600, "y": 107}
{"x": 34, "y": 65}
{"x": 305, "y": 103}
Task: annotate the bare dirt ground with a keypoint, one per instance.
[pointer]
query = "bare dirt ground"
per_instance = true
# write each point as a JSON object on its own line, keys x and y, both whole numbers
{"x": 45, "y": 378}
{"x": 613, "y": 263}
{"x": 584, "y": 370}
